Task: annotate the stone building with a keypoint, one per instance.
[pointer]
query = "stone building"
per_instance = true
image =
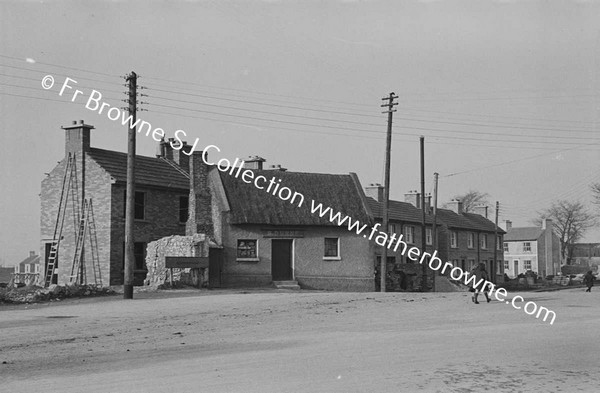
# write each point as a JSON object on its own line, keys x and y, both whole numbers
{"x": 161, "y": 204}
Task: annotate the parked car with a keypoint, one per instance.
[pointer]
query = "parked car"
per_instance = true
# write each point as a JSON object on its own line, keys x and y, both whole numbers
{"x": 576, "y": 278}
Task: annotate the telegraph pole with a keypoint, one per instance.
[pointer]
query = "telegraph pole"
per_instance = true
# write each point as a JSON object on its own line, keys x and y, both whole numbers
{"x": 434, "y": 238}
{"x": 423, "y": 231}
{"x": 130, "y": 190}
{"x": 386, "y": 197}
{"x": 494, "y": 268}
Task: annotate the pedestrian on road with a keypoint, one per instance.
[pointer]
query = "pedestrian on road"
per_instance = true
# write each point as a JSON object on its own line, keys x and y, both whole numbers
{"x": 480, "y": 273}
{"x": 588, "y": 280}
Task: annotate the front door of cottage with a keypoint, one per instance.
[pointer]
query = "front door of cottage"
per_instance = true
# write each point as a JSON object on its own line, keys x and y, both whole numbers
{"x": 281, "y": 259}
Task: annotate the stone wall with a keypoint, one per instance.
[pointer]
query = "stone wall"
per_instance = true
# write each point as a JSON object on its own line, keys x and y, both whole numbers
{"x": 176, "y": 246}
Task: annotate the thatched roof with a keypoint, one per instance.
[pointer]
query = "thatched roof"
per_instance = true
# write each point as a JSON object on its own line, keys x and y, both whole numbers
{"x": 251, "y": 205}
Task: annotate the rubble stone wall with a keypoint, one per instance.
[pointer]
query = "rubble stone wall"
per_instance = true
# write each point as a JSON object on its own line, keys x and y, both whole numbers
{"x": 176, "y": 246}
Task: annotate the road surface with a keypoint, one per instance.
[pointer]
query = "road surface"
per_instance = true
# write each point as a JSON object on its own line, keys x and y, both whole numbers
{"x": 300, "y": 341}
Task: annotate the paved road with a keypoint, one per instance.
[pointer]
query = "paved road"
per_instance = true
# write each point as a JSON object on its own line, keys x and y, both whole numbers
{"x": 277, "y": 341}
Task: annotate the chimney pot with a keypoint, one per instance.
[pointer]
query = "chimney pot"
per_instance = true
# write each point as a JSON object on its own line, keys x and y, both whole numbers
{"x": 74, "y": 122}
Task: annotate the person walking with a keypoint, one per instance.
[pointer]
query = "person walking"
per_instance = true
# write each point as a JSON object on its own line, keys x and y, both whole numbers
{"x": 480, "y": 273}
{"x": 588, "y": 280}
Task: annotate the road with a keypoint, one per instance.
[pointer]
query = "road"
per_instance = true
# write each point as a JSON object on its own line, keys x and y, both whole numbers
{"x": 300, "y": 341}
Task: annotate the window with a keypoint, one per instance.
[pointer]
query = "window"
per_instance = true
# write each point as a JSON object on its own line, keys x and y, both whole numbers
{"x": 505, "y": 247}
{"x": 332, "y": 248}
{"x": 499, "y": 265}
{"x": 27, "y": 268}
{"x": 470, "y": 264}
{"x": 391, "y": 228}
{"x": 506, "y": 267}
{"x": 429, "y": 236}
{"x": 183, "y": 208}
{"x": 247, "y": 249}
{"x": 527, "y": 264}
{"x": 36, "y": 268}
{"x": 17, "y": 269}
{"x": 498, "y": 242}
{"x": 526, "y": 247}
{"x": 471, "y": 240}
{"x": 139, "y": 253}
{"x": 453, "y": 239}
{"x": 139, "y": 207}
{"x": 409, "y": 234}
{"x": 483, "y": 241}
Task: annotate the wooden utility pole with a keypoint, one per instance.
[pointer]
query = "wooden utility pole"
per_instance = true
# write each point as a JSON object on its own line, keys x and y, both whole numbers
{"x": 130, "y": 191}
{"x": 386, "y": 193}
{"x": 494, "y": 268}
{"x": 423, "y": 230}
{"x": 434, "y": 238}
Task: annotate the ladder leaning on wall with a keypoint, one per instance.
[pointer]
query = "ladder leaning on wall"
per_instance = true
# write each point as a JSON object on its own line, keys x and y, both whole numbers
{"x": 87, "y": 227}
{"x": 69, "y": 188}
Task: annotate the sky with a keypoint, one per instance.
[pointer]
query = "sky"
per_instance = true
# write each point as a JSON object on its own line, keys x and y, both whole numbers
{"x": 506, "y": 93}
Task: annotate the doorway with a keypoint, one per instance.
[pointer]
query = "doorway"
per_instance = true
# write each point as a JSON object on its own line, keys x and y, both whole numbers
{"x": 281, "y": 259}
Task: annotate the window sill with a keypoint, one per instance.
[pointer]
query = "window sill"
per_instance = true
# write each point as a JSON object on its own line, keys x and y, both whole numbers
{"x": 247, "y": 260}
{"x": 332, "y": 258}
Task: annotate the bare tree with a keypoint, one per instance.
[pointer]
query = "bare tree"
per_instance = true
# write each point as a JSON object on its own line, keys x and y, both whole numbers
{"x": 570, "y": 222}
{"x": 471, "y": 199}
{"x": 596, "y": 192}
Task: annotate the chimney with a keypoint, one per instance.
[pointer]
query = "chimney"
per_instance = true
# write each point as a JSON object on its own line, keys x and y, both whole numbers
{"x": 77, "y": 137}
{"x": 254, "y": 162}
{"x": 414, "y": 198}
{"x": 507, "y": 225}
{"x": 277, "y": 168}
{"x": 200, "y": 207}
{"x": 428, "y": 203}
{"x": 456, "y": 206}
{"x": 547, "y": 224}
{"x": 375, "y": 191}
{"x": 482, "y": 210}
{"x": 178, "y": 156}
{"x": 31, "y": 253}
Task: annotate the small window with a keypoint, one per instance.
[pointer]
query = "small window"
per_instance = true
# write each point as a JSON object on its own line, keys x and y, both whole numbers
{"x": 526, "y": 246}
{"x": 36, "y": 268}
{"x": 498, "y": 242}
{"x": 428, "y": 236}
{"x": 183, "y": 208}
{"x": 139, "y": 206}
{"x": 505, "y": 247}
{"x": 499, "y": 266}
{"x": 139, "y": 253}
{"x": 453, "y": 239}
{"x": 409, "y": 234}
{"x": 527, "y": 264}
{"x": 470, "y": 264}
{"x": 247, "y": 249}
{"x": 506, "y": 266}
{"x": 332, "y": 247}
{"x": 27, "y": 268}
{"x": 471, "y": 240}
{"x": 391, "y": 228}
{"x": 483, "y": 241}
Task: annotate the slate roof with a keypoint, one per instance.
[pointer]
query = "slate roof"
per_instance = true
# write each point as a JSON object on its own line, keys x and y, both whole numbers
{"x": 250, "y": 205}
{"x": 28, "y": 260}
{"x": 407, "y": 212}
{"x": 524, "y": 233}
{"x": 399, "y": 211}
{"x": 149, "y": 171}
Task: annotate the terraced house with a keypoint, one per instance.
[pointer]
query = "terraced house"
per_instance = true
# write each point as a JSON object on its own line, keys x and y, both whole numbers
{"x": 462, "y": 238}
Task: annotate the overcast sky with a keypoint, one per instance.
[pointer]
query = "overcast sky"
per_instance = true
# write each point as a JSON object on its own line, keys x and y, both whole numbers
{"x": 506, "y": 93}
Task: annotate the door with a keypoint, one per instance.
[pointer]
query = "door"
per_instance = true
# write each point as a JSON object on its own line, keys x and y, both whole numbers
{"x": 214, "y": 267}
{"x": 516, "y": 268}
{"x": 281, "y": 259}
